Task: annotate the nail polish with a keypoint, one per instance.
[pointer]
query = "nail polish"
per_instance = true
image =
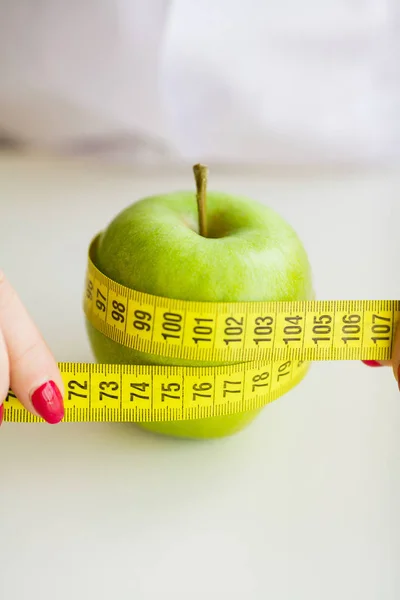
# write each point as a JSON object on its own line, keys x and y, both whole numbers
{"x": 48, "y": 402}
{"x": 1, "y": 413}
{"x": 371, "y": 363}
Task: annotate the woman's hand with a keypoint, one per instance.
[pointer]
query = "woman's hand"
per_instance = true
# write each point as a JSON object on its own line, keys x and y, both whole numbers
{"x": 26, "y": 364}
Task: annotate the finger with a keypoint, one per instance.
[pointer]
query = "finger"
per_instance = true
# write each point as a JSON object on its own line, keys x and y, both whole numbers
{"x": 4, "y": 375}
{"x": 377, "y": 363}
{"x": 34, "y": 375}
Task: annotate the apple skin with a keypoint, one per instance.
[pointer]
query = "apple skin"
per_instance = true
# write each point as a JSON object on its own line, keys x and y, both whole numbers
{"x": 153, "y": 246}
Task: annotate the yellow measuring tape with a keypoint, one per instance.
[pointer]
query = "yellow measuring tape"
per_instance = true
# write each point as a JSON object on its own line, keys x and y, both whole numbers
{"x": 269, "y": 342}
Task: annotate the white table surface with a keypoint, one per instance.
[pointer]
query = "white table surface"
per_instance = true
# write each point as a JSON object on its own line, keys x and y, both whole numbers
{"x": 304, "y": 504}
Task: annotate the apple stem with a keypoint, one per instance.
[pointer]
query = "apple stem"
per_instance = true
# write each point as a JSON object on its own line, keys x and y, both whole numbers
{"x": 201, "y": 177}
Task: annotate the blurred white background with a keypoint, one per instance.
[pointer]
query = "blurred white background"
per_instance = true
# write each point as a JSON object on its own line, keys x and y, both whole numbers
{"x": 302, "y": 505}
{"x": 224, "y": 81}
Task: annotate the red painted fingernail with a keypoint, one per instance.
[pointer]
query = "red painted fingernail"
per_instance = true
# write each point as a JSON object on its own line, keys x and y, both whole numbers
{"x": 1, "y": 413}
{"x": 48, "y": 402}
{"x": 371, "y": 363}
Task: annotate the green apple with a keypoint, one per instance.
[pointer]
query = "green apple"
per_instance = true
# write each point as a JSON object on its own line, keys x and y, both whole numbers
{"x": 154, "y": 246}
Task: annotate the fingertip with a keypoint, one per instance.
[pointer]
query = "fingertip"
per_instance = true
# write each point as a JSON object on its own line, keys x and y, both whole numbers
{"x": 47, "y": 401}
{"x": 1, "y": 414}
{"x": 372, "y": 363}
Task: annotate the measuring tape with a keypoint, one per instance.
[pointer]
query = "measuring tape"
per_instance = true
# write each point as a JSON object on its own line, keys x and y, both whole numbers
{"x": 270, "y": 344}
